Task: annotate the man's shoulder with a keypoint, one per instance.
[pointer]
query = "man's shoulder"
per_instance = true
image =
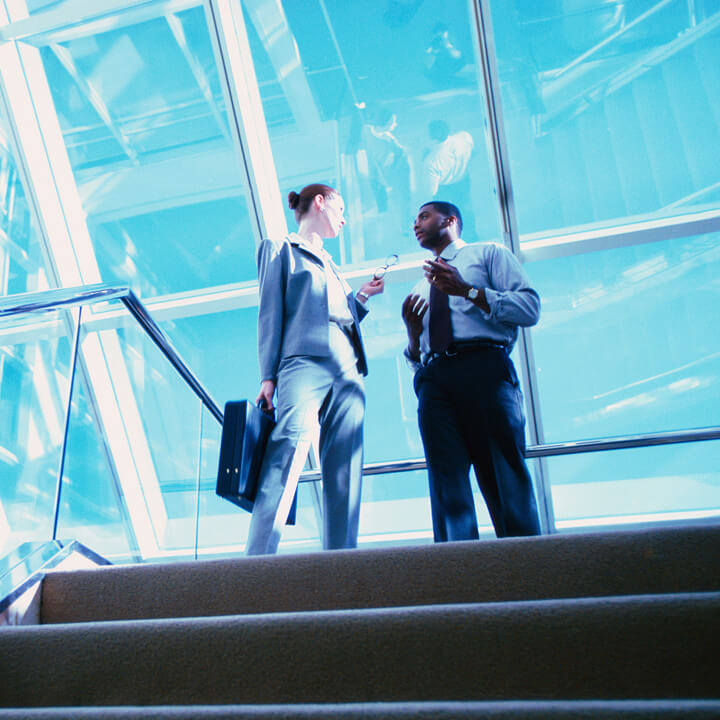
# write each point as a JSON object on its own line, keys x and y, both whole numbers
{"x": 481, "y": 249}
{"x": 484, "y": 253}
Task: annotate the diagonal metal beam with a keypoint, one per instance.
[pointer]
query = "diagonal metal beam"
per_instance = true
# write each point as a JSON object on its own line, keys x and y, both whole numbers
{"x": 643, "y": 64}
{"x": 94, "y": 98}
{"x": 176, "y": 27}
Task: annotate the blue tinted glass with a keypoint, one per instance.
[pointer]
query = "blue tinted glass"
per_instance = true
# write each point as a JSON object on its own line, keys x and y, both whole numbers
{"x": 91, "y": 507}
{"x": 612, "y": 109}
{"x": 143, "y": 120}
{"x": 221, "y": 349}
{"x": 35, "y": 360}
{"x": 391, "y": 121}
{"x": 627, "y": 342}
{"x": 671, "y": 483}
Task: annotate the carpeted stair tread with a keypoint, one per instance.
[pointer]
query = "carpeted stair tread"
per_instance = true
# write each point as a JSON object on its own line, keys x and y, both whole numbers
{"x": 622, "y": 563}
{"x": 634, "y": 647}
{"x": 508, "y": 710}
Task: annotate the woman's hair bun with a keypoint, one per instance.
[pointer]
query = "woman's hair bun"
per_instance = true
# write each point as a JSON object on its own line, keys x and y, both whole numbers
{"x": 293, "y": 199}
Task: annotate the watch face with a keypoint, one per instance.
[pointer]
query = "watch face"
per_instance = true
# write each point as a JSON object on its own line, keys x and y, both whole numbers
{"x": 472, "y": 293}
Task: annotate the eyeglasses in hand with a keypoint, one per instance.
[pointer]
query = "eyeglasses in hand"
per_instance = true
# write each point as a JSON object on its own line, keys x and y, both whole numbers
{"x": 390, "y": 260}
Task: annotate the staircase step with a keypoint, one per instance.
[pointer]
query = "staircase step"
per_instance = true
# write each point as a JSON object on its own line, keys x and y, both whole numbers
{"x": 634, "y": 647}
{"x": 555, "y": 566}
{"x": 527, "y": 710}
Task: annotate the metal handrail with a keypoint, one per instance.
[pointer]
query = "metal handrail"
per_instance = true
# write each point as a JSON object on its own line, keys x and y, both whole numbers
{"x": 624, "y": 442}
{"x": 65, "y": 298}
{"x": 610, "y": 38}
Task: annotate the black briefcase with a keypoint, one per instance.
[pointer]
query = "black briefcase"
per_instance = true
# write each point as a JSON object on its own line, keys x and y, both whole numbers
{"x": 245, "y": 432}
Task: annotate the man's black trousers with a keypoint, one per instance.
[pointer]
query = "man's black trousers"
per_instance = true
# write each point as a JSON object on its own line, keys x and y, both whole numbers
{"x": 470, "y": 411}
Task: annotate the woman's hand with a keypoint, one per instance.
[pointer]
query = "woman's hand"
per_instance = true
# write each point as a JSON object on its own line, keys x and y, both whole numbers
{"x": 265, "y": 398}
{"x": 372, "y": 287}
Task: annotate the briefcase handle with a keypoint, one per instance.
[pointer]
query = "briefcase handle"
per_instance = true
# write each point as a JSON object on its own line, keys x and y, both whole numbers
{"x": 261, "y": 406}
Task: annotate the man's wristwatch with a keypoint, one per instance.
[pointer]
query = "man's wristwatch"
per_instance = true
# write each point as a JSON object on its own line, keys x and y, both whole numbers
{"x": 472, "y": 294}
{"x": 363, "y": 295}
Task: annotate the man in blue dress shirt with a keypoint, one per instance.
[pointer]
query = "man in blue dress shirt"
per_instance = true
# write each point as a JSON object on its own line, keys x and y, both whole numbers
{"x": 462, "y": 321}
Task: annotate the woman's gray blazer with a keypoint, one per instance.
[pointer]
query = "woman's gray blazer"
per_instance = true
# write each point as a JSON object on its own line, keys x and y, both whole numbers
{"x": 293, "y": 306}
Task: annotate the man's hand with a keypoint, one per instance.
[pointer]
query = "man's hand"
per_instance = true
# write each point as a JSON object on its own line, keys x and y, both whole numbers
{"x": 265, "y": 398}
{"x": 447, "y": 279}
{"x": 413, "y": 310}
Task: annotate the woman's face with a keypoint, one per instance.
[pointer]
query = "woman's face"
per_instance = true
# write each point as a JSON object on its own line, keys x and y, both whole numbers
{"x": 334, "y": 209}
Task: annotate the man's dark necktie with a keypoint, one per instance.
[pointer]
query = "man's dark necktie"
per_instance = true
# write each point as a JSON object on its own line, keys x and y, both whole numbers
{"x": 439, "y": 324}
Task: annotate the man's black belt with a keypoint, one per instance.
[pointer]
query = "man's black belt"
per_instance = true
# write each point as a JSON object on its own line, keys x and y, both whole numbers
{"x": 462, "y": 346}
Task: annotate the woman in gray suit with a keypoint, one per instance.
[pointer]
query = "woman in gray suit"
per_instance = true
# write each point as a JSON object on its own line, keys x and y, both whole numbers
{"x": 311, "y": 352}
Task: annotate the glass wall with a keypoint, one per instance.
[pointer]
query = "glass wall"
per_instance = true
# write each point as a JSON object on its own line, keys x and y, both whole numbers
{"x": 143, "y": 123}
{"x": 149, "y": 169}
{"x": 632, "y": 324}
{"x": 35, "y": 373}
{"x": 614, "y": 105}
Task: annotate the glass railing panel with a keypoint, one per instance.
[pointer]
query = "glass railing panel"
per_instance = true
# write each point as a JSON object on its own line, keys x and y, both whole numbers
{"x": 222, "y": 526}
{"x": 395, "y": 510}
{"x": 161, "y": 417}
{"x": 609, "y": 109}
{"x": 35, "y": 370}
{"x": 92, "y": 505}
{"x": 627, "y": 342}
{"x": 674, "y": 483}
{"x": 220, "y": 347}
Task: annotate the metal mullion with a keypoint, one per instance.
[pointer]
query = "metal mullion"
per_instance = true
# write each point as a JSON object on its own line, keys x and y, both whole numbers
{"x": 635, "y": 233}
{"x": 178, "y": 32}
{"x": 245, "y": 115}
{"x": 508, "y": 222}
{"x": 93, "y": 97}
{"x": 23, "y": 171}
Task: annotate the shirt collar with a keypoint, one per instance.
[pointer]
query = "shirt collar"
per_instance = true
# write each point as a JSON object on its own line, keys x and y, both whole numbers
{"x": 451, "y": 251}
{"x": 320, "y": 253}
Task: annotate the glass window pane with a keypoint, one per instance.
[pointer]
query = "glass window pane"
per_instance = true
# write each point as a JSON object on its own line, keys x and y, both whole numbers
{"x": 142, "y": 115}
{"x": 391, "y": 121}
{"x": 612, "y": 110}
{"x": 628, "y": 342}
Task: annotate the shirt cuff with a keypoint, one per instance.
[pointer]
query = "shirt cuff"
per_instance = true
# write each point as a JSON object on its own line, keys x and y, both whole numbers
{"x": 494, "y": 300}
